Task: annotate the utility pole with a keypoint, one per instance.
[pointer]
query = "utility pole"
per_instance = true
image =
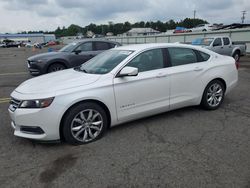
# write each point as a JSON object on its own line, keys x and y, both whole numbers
{"x": 243, "y": 16}
{"x": 194, "y": 13}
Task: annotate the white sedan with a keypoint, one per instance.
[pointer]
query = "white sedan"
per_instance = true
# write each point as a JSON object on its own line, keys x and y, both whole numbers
{"x": 203, "y": 27}
{"x": 119, "y": 85}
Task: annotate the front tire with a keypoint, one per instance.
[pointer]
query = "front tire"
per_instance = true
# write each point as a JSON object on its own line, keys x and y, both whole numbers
{"x": 213, "y": 95}
{"x": 56, "y": 67}
{"x": 84, "y": 123}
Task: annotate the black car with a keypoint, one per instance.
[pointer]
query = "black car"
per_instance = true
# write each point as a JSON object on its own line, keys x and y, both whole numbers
{"x": 12, "y": 44}
{"x": 71, "y": 55}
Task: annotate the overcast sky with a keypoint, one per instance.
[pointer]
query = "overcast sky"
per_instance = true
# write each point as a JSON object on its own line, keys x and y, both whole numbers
{"x": 47, "y": 15}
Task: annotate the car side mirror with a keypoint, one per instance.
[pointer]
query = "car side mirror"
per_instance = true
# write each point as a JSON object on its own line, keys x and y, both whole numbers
{"x": 77, "y": 51}
{"x": 128, "y": 71}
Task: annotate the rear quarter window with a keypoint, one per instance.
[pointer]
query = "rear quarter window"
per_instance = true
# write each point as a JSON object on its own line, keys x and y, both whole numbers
{"x": 112, "y": 45}
{"x": 204, "y": 56}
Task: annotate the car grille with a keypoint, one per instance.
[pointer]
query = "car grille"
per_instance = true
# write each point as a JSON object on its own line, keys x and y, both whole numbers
{"x": 14, "y": 104}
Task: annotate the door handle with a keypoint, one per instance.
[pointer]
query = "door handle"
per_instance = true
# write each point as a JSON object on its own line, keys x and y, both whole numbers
{"x": 161, "y": 75}
{"x": 198, "y": 69}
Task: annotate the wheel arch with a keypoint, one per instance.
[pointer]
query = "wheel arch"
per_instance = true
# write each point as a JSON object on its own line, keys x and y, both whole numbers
{"x": 218, "y": 78}
{"x": 235, "y": 51}
{"x": 84, "y": 101}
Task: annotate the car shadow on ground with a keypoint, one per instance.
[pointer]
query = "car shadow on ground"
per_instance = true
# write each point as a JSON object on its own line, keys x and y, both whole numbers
{"x": 121, "y": 127}
{"x": 154, "y": 118}
{"x": 178, "y": 113}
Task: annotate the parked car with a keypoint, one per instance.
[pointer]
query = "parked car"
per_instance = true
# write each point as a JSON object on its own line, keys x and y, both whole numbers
{"x": 37, "y": 45}
{"x": 71, "y": 55}
{"x": 119, "y": 85}
{"x": 12, "y": 44}
{"x": 2, "y": 45}
{"x": 51, "y": 43}
{"x": 203, "y": 27}
{"x": 222, "y": 45}
{"x": 181, "y": 30}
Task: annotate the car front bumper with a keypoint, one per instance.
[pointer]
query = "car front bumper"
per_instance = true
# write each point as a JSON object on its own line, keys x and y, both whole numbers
{"x": 39, "y": 124}
{"x": 35, "y": 68}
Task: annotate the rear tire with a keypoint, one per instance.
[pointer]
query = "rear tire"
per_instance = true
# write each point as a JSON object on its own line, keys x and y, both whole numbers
{"x": 213, "y": 95}
{"x": 236, "y": 56}
{"x": 84, "y": 123}
{"x": 56, "y": 67}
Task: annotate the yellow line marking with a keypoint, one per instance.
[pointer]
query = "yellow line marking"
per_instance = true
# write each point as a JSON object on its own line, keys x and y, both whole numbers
{"x": 13, "y": 73}
{"x": 4, "y": 99}
{"x": 7, "y": 101}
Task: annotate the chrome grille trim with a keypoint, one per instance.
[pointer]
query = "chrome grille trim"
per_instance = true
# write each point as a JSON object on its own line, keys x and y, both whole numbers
{"x": 14, "y": 104}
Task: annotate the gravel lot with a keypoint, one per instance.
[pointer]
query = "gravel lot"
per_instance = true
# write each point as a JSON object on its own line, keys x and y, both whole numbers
{"x": 189, "y": 147}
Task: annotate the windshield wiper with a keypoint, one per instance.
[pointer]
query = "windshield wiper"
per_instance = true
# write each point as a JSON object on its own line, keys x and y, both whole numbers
{"x": 84, "y": 70}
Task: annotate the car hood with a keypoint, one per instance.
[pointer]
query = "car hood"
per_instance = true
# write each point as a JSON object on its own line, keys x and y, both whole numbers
{"x": 206, "y": 47}
{"x": 52, "y": 82}
{"x": 45, "y": 55}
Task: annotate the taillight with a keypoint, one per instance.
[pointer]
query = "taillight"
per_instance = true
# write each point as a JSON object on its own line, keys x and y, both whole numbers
{"x": 237, "y": 64}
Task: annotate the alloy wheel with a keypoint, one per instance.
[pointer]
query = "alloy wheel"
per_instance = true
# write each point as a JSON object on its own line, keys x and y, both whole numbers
{"x": 214, "y": 95}
{"x": 87, "y": 125}
{"x": 54, "y": 69}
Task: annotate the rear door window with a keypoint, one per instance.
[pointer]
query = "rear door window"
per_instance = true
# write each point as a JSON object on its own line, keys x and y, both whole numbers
{"x": 226, "y": 41}
{"x": 87, "y": 46}
{"x": 182, "y": 56}
{"x": 148, "y": 60}
{"x": 101, "y": 46}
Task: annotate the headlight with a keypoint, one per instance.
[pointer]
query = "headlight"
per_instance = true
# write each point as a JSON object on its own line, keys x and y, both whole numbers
{"x": 37, "y": 61}
{"x": 38, "y": 103}
{"x": 40, "y": 60}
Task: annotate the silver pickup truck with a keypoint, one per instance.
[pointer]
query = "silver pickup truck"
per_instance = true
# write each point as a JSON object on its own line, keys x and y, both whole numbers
{"x": 222, "y": 45}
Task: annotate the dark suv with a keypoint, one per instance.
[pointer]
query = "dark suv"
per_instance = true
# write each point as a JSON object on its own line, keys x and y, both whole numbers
{"x": 71, "y": 55}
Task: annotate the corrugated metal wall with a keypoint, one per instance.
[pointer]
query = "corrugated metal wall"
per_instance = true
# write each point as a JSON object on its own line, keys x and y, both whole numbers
{"x": 237, "y": 35}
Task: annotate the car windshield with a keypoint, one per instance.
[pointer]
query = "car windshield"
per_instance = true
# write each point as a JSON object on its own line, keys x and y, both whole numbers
{"x": 104, "y": 62}
{"x": 202, "y": 41}
{"x": 69, "y": 47}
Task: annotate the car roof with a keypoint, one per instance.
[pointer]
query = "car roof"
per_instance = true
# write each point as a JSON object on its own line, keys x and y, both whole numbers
{"x": 142, "y": 47}
{"x": 95, "y": 40}
{"x": 139, "y": 47}
{"x": 213, "y": 37}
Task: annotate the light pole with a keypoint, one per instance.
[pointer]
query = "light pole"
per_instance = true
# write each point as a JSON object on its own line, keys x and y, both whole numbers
{"x": 243, "y": 16}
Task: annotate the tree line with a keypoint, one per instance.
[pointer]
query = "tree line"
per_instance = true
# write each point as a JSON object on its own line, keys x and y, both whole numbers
{"x": 119, "y": 28}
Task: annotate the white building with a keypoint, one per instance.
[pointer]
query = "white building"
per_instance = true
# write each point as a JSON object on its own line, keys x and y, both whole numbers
{"x": 32, "y": 38}
{"x": 141, "y": 32}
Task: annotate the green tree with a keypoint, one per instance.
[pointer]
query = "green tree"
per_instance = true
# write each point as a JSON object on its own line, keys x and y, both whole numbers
{"x": 119, "y": 28}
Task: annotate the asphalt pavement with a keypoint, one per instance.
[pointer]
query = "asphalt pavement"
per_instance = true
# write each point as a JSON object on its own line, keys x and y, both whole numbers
{"x": 189, "y": 147}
